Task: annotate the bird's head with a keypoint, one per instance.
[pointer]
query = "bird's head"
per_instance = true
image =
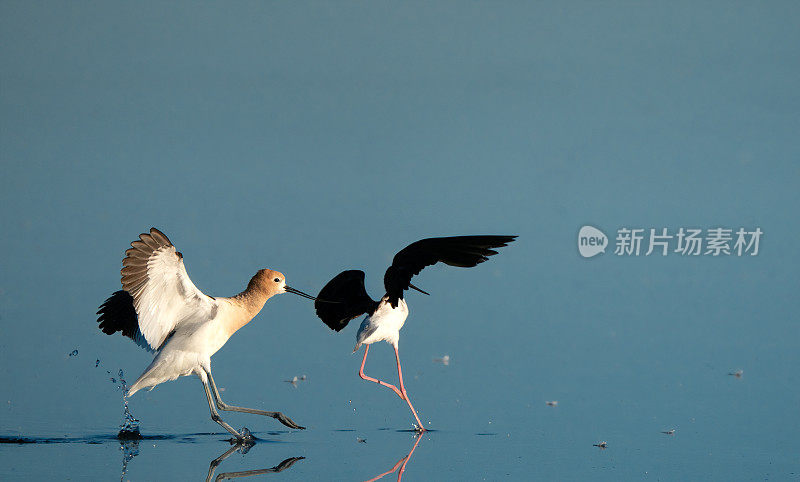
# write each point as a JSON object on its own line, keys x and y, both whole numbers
{"x": 274, "y": 283}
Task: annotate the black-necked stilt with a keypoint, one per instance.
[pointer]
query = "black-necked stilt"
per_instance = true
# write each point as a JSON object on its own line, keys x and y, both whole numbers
{"x": 163, "y": 311}
{"x": 346, "y": 297}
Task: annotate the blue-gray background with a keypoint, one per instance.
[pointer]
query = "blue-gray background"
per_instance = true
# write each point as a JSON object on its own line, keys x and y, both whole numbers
{"x": 315, "y": 137}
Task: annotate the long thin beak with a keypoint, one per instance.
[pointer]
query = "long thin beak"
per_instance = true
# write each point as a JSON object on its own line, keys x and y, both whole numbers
{"x": 421, "y": 291}
{"x": 298, "y": 292}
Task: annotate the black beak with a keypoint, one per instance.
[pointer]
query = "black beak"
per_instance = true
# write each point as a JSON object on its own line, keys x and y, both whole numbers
{"x": 421, "y": 291}
{"x": 298, "y": 292}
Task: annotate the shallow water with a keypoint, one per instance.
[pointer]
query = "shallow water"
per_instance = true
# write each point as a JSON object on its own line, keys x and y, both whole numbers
{"x": 724, "y": 428}
{"x": 437, "y": 455}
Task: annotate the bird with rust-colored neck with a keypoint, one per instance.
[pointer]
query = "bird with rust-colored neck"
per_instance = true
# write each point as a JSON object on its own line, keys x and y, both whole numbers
{"x": 163, "y": 312}
{"x": 346, "y": 298}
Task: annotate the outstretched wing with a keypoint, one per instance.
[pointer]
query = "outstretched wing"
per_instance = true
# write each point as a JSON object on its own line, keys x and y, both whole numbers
{"x": 117, "y": 313}
{"x": 343, "y": 298}
{"x": 461, "y": 251}
{"x": 163, "y": 295}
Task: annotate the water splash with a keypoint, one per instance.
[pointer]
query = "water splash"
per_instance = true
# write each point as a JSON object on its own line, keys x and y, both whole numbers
{"x": 119, "y": 380}
{"x": 248, "y": 439}
{"x": 129, "y": 430}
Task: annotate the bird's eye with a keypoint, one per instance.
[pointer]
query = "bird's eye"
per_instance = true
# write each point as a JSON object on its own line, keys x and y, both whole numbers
{"x": 277, "y": 280}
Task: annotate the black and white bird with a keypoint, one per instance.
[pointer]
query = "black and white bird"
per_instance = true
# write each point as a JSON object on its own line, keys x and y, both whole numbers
{"x": 345, "y": 296}
{"x": 163, "y": 312}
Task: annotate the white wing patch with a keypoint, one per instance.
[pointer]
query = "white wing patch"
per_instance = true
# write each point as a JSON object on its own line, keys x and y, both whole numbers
{"x": 163, "y": 295}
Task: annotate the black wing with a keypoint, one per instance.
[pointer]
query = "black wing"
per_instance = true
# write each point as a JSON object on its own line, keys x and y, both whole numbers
{"x": 461, "y": 251}
{"x": 117, "y": 313}
{"x": 343, "y": 298}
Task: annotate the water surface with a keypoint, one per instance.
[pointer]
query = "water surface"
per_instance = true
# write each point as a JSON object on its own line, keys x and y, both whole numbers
{"x": 313, "y": 138}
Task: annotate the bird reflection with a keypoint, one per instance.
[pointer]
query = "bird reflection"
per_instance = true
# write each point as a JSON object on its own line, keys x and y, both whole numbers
{"x": 243, "y": 447}
{"x": 401, "y": 464}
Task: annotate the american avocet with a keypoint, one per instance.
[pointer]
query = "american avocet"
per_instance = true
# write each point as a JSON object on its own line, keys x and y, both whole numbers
{"x": 163, "y": 311}
{"x": 346, "y": 297}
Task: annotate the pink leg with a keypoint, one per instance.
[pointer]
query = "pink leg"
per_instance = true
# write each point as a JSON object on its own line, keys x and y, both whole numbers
{"x": 408, "y": 457}
{"x": 379, "y": 382}
{"x": 403, "y": 389}
{"x": 387, "y": 472}
{"x": 400, "y": 463}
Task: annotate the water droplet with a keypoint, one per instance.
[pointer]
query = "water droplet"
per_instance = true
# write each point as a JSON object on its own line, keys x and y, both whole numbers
{"x": 119, "y": 380}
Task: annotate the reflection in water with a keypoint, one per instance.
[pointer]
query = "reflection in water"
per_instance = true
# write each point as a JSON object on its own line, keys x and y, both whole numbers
{"x": 400, "y": 463}
{"x": 130, "y": 449}
{"x": 244, "y": 447}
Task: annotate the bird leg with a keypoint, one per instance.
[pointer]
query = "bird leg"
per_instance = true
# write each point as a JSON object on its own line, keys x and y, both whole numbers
{"x": 396, "y": 466}
{"x": 244, "y": 447}
{"x": 215, "y": 463}
{"x": 379, "y": 382}
{"x": 401, "y": 464}
{"x": 420, "y": 428}
{"x": 215, "y": 415}
{"x": 224, "y": 406}
{"x": 408, "y": 457}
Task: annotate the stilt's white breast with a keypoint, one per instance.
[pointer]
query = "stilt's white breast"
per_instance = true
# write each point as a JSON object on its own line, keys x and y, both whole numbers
{"x": 383, "y": 325}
